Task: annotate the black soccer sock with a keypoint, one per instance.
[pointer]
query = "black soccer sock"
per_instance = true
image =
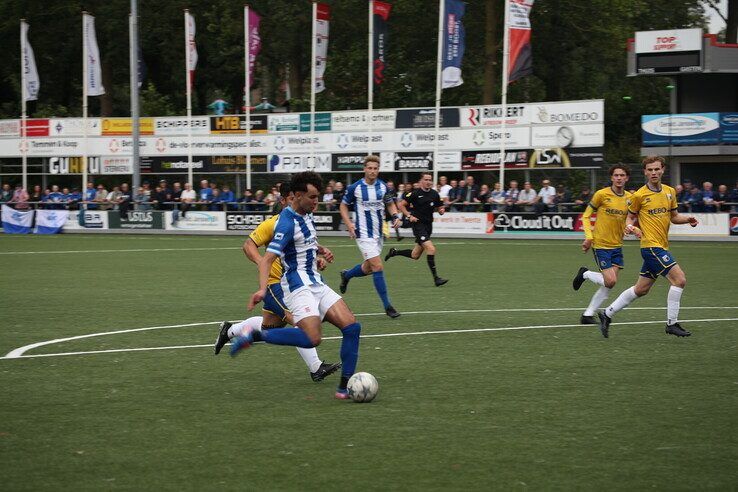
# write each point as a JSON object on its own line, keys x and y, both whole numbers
{"x": 344, "y": 382}
{"x": 432, "y": 264}
{"x": 404, "y": 252}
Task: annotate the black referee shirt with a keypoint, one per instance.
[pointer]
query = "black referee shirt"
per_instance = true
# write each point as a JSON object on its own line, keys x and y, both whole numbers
{"x": 423, "y": 203}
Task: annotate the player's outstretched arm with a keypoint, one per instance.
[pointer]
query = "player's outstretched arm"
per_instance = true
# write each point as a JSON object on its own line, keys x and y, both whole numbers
{"x": 251, "y": 251}
{"x": 677, "y": 218}
{"x": 345, "y": 217}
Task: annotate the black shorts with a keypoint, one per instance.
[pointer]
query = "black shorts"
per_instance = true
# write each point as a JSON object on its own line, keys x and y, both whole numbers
{"x": 422, "y": 231}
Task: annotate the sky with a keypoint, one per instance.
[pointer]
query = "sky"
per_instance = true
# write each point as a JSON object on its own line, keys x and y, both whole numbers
{"x": 716, "y": 23}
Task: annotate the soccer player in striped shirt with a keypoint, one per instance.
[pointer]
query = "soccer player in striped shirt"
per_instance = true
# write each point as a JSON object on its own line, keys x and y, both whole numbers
{"x": 308, "y": 298}
{"x": 369, "y": 196}
{"x": 605, "y": 239}
{"x": 655, "y": 207}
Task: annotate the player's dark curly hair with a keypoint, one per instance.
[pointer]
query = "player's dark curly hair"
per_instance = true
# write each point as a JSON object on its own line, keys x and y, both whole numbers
{"x": 300, "y": 181}
{"x": 615, "y": 167}
{"x": 284, "y": 189}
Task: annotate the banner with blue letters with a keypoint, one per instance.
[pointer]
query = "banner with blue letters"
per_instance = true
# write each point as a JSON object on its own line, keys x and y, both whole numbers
{"x": 453, "y": 44}
{"x": 16, "y": 221}
{"x": 50, "y": 221}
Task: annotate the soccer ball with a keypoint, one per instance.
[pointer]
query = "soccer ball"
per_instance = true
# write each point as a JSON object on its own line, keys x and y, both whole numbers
{"x": 362, "y": 387}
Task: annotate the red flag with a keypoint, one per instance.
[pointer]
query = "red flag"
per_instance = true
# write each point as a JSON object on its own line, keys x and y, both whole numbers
{"x": 381, "y": 16}
{"x": 521, "y": 59}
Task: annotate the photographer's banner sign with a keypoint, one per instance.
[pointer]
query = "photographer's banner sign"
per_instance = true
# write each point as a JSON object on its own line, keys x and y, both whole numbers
{"x": 50, "y": 221}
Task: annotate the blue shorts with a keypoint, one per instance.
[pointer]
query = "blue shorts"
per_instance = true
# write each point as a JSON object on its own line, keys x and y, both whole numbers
{"x": 608, "y": 258}
{"x": 656, "y": 261}
{"x": 274, "y": 300}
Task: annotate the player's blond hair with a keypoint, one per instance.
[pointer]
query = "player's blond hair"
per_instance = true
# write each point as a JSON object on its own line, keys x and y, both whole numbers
{"x": 371, "y": 158}
{"x": 653, "y": 158}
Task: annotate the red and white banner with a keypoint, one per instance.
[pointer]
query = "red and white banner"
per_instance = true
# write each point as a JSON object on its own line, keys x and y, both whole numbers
{"x": 191, "y": 48}
{"x": 322, "y": 18}
{"x": 521, "y": 60}
{"x": 381, "y": 17}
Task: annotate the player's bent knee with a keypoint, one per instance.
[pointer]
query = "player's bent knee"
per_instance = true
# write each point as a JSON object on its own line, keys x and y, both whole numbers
{"x": 641, "y": 291}
{"x": 315, "y": 339}
{"x": 610, "y": 282}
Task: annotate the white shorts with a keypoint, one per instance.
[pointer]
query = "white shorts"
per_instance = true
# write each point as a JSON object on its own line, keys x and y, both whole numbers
{"x": 314, "y": 300}
{"x": 370, "y": 247}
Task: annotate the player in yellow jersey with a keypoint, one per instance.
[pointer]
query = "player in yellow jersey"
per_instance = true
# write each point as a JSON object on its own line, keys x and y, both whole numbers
{"x": 605, "y": 239}
{"x": 655, "y": 208}
{"x": 274, "y": 312}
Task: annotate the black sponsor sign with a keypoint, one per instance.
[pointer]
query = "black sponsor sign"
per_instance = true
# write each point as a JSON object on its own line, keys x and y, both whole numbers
{"x": 248, "y": 221}
{"x": 572, "y": 157}
{"x": 426, "y": 118}
{"x": 347, "y": 162}
{"x": 223, "y": 164}
{"x": 506, "y": 222}
{"x": 413, "y": 161}
{"x": 237, "y": 124}
{"x": 138, "y": 219}
{"x": 491, "y": 159}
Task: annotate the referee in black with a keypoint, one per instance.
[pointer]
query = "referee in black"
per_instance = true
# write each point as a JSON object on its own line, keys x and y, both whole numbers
{"x": 423, "y": 202}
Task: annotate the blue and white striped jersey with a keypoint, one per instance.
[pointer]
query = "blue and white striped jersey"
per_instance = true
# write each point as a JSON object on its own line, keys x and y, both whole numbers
{"x": 369, "y": 202}
{"x": 296, "y": 242}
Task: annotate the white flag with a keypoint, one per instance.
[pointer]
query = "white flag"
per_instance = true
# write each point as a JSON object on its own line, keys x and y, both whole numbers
{"x": 192, "y": 49}
{"x": 322, "y": 22}
{"x": 29, "y": 66}
{"x": 94, "y": 71}
{"x": 50, "y": 221}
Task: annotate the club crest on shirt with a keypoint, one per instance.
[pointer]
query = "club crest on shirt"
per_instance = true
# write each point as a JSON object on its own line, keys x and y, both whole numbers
{"x": 278, "y": 236}
{"x": 668, "y": 195}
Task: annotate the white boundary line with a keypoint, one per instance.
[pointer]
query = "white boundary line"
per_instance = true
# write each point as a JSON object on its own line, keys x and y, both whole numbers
{"x": 19, "y": 352}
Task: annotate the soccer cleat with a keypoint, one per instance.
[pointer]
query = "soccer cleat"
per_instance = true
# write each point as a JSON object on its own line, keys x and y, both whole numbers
{"x": 440, "y": 281}
{"x": 588, "y": 320}
{"x": 222, "y": 337}
{"x": 579, "y": 278}
{"x": 242, "y": 342}
{"x": 392, "y": 312}
{"x": 325, "y": 370}
{"x": 605, "y": 321}
{"x": 677, "y": 330}
{"x": 344, "y": 282}
{"x": 342, "y": 394}
{"x": 391, "y": 253}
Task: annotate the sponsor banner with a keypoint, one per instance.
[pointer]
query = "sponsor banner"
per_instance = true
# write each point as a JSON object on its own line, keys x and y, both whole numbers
{"x": 463, "y": 223}
{"x": 413, "y": 161}
{"x": 678, "y": 129}
{"x": 521, "y": 58}
{"x": 75, "y": 127}
{"x": 568, "y": 135}
{"x": 10, "y": 128}
{"x": 320, "y": 163}
{"x": 235, "y": 163}
{"x": 124, "y": 126}
{"x": 321, "y": 25}
{"x": 557, "y": 157}
{"x": 426, "y": 118}
{"x": 565, "y": 113}
{"x": 510, "y": 222}
{"x": 516, "y": 114}
{"x": 196, "y": 221}
{"x": 248, "y": 221}
{"x": 282, "y": 123}
{"x": 359, "y": 120}
{"x": 286, "y": 144}
{"x": 479, "y": 160}
{"x": 322, "y": 122}
{"x": 448, "y": 161}
{"x": 90, "y": 219}
{"x": 171, "y": 164}
{"x": 179, "y": 126}
{"x": 386, "y": 162}
{"x": 715, "y": 224}
{"x": 670, "y": 41}
{"x": 729, "y": 127}
{"x": 359, "y": 141}
{"x": 136, "y": 219}
{"x": 453, "y": 43}
{"x": 37, "y": 128}
{"x": 237, "y": 124}
{"x": 514, "y": 137}
{"x": 733, "y": 225}
{"x": 50, "y": 221}
{"x": 95, "y": 165}
{"x": 347, "y": 162}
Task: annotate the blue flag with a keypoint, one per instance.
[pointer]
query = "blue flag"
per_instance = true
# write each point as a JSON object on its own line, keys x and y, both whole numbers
{"x": 453, "y": 44}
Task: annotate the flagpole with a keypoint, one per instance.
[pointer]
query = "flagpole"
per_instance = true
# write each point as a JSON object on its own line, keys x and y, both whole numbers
{"x": 85, "y": 81}
{"x": 312, "y": 85}
{"x": 505, "y": 64}
{"x": 24, "y": 116}
{"x": 135, "y": 116}
{"x": 188, "y": 84}
{"x": 370, "y": 101}
{"x": 439, "y": 64}
{"x": 247, "y": 91}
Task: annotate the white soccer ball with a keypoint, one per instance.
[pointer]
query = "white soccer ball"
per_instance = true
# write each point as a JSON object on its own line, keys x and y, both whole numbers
{"x": 362, "y": 387}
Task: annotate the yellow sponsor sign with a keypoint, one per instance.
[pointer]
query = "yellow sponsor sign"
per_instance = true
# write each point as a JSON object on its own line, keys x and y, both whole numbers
{"x": 124, "y": 126}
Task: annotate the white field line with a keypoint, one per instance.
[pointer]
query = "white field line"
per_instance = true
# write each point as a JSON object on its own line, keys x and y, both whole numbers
{"x": 20, "y": 351}
{"x": 380, "y": 335}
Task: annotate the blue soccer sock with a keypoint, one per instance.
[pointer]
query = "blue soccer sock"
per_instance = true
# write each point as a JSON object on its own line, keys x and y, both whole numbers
{"x": 381, "y": 287}
{"x": 287, "y": 336}
{"x": 355, "y": 272}
{"x": 350, "y": 349}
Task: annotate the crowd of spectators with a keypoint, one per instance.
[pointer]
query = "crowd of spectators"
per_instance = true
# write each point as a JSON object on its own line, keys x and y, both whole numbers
{"x": 463, "y": 195}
